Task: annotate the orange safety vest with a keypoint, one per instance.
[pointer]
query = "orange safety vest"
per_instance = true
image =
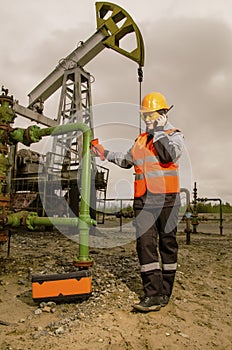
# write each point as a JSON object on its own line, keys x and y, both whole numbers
{"x": 149, "y": 172}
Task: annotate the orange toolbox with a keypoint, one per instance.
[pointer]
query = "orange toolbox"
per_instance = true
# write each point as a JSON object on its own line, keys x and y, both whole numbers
{"x": 61, "y": 287}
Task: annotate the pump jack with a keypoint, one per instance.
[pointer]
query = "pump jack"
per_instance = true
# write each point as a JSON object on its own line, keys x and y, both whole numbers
{"x": 75, "y": 114}
{"x": 114, "y": 24}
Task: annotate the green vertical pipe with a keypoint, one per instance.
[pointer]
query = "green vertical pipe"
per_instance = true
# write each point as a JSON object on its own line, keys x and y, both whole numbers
{"x": 85, "y": 180}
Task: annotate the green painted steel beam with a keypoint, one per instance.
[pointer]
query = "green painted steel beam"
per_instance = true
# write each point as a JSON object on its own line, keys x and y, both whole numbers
{"x": 116, "y": 23}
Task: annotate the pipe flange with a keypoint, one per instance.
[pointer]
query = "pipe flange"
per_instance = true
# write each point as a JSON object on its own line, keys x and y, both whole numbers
{"x": 30, "y": 134}
{"x": 83, "y": 264}
{"x": 27, "y": 220}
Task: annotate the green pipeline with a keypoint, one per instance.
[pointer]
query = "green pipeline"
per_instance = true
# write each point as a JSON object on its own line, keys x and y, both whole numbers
{"x": 84, "y": 219}
{"x": 31, "y": 220}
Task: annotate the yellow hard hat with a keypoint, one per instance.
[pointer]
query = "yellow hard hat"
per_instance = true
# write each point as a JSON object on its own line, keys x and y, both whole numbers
{"x": 153, "y": 101}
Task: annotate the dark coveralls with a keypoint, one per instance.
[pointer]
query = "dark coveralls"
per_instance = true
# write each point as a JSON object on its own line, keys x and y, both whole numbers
{"x": 156, "y": 217}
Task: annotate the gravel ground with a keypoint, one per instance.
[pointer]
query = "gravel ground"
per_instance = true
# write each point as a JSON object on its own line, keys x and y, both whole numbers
{"x": 197, "y": 317}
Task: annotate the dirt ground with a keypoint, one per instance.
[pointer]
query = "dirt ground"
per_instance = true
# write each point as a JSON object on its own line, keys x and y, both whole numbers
{"x": 197, "y": 317}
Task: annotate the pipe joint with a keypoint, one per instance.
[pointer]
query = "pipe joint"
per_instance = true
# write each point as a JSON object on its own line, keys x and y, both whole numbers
{"x": 22, "y": 218}
{"x": 87, "y": 220}
{"x": 28, "y": 218}
{"x": 32, "y": 134}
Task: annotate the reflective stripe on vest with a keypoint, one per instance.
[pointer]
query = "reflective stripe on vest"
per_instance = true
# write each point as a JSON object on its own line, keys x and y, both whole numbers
{"x": 149, "y": 172}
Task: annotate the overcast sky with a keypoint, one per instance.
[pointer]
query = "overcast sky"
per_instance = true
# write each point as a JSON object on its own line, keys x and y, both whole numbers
{"x": 188, "y": 50}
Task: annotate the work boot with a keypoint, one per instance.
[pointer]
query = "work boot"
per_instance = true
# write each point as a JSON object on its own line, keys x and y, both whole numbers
{"x": 148, "y": 304}
{"x": 164, "y": 300}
